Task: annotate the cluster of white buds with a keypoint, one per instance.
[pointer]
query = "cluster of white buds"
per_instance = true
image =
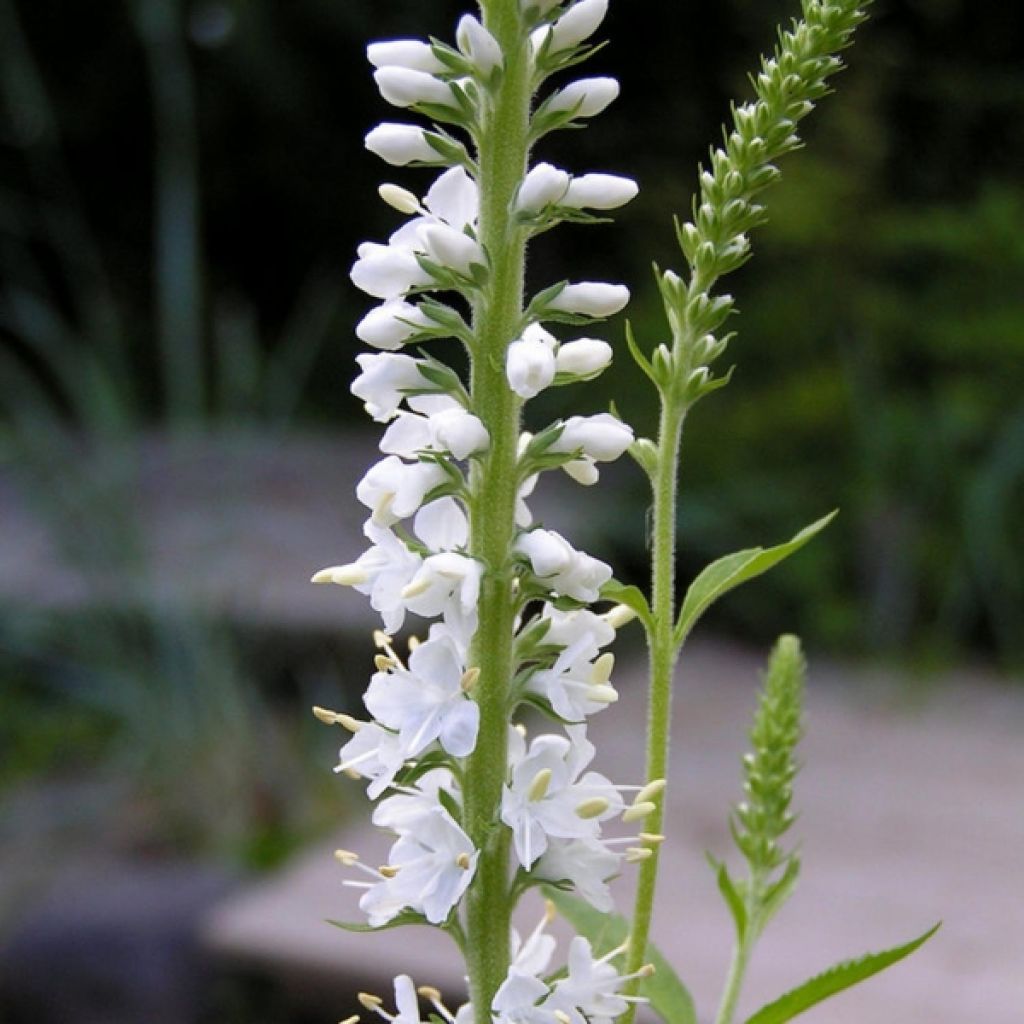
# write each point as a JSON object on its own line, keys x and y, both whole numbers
{"x": 424, "y": 716}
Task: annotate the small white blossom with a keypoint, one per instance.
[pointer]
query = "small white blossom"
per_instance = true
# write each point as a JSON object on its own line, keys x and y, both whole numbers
{"x": 567, "y": 627}
{"x": 575, "y": 686}
{"x": 516, "y": 1001}
{"x": 405, "y": 87}
{"x": 403, "y": 812}
{"x": 375, "y": 754}
{"x": 584, "y": 357}
{"x": 591, "y": 988}
{"x": 394, "y": 490}
{"x": 452, "y": 430}
{"x": 390, "y": 325}
{"x": 451, "y": 248}
{"x": 545, "y": 794}
{"x": 530, "y": 362}
{"x": 447, "y": 584}
{"x": 587, "y": 863}
{"x": 401, "y": 144}
{"x": 387, "y": 271}
{"x": 600, "y": 192}
{"x": 478, "y": 45}
{"x": 603, "y": 437}
{"x": 578, "y": 24}
{"x": 384, "y": 380}
{"x": 433, "y": 868}
{"x": 442, "y": 525}
{"x": 544, "y": 185}
{"x": 426, "y": 702}
{"x": 586, "y": 97}
{"x": 591, "y": 298}
{"x": 404, "y": 53}
{"x": 560, "y": 567}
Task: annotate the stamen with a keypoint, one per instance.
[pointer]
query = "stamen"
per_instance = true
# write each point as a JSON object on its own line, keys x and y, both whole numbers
{"x": 602, "y": 670}
{"x": 351, "y": 773}
{"x": 412, "y": 643}
{"x": 354, "y": 1019}
{"x": 433, "y": 996}
{"x": 651, "y": 790}
{"x": 619, "y": 616}
{"x": 470, "y": 678}
{"x": 398, "y": 198}
{"x": 388, "y": 871}
{"x": 381, "y": 639}
{"x": 415, "y": 589}
{"x": 613, "y": 953}
{"x": 592, "y": 808}
{"x": 429, "y": 992}
{"x": 346, "y": 857}
{"x": 325, "y": 716}
{"x": 562, "y": 1017}
{"x": 463, "y": 860}
{"x": 603, "y": 694}
{"x": 383, "y": 663}
{"x": 520, "y": 728}
{"x": 539, "y": 787}
{"x": 635, "y": 854}
{"x": 343, "y": 575}
{"x": 639, "y": 810}
{"x": 651, "y": 838}
{"x": 353, "y": 725}
{"x": 371, "y": 1002}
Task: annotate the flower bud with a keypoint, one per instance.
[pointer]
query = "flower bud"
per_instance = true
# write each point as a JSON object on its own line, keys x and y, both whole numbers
{"x": 405, "y": 87}
{"x": 389, "y": 325}
{"x": 452, "y": 248}
{"x": 543, "y": 186}
{"x": 591, "y": 298}
{"x": 578, "y": 23}
{"x": 603, "y": 437}
{"x": 586, "y": 97}
{"x": 600, "y": 192}
{"x": 530, "y": 362}
{"x": 400, "y": 144}
{"x": 584, "y": 357}
{"x": 412, "y": 54}
{"x": 478, "y": 45}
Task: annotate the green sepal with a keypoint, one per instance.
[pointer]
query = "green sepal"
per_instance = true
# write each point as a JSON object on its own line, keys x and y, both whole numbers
{"x": 539, "y": 703}
{"x": 731, "y": 894}
{"x": 836, "y": 979}
{"x": 450, "y": 804}
{"x": 632, "y": 597}
{"x": 638, "y": 357}
{"x": 729, "y": 572}
{"x": 405, "y": 918}
{"x": 778, "y": 892}
{"x": 668, "y": 996}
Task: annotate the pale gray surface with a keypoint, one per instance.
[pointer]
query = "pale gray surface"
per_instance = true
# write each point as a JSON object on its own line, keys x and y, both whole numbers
{"x": 908, "y": 815}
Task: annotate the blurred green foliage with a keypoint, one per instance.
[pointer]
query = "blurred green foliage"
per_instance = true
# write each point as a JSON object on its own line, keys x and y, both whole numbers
{"x": 879, "y": 350}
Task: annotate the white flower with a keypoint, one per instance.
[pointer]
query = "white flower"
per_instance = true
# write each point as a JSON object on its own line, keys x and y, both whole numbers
{"x": 447, "y": 584}
{"x": 426, "y": 702}
{"x": 578, "y": 23}
{"x": 530, "y": 362}
{"x": 387, "y": 271}
{"x": 544, "y": 185}
{"x": 600, "y": 191}
{"x": 406, "y": 1002}
{"x": 478, "y": 45}
{"x": 591, "y": 298}
{"x": 433, "y": 868}
{"x": 453, "y": 430}
{"x": 375, "y": 754}
{"x": 451, "y": 248}
{"x": 546, "y": 797}
{"x": 442, "y": 525}
{"x": 394, "y": 490}
{"x": 575, "y": 686}
{"x": 603, "y": 437}
{"x": 586, "y": 97}
{"x": 382, "y": 572}
{"x": 584, "y": 357}
{"x": 587, "y": 863}
{"x": 591, "y": 987}
{"x": 516, "y": 1000}
{"x": 567, "y": 627}
{"x": 401, "y": 144}
{"x": 404, "y": 53}
{"x": 384, "y": 380}
{"x": 402, "y": 813}
{"x": 390, "y": 325}
{"x": 405, "y": 87}
{"x": 564, "y": 570}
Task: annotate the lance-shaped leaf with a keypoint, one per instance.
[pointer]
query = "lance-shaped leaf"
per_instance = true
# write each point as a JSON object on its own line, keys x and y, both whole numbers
{"x": 732, "y": 570}
{"x": 668, "y": 996}
{"x": 836, "y": 979}
{"x": 407, "y": 917}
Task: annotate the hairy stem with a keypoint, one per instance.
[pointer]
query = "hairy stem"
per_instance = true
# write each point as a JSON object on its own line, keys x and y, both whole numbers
{"x": 663, "y": 654}
{"x": 503, "y": 151}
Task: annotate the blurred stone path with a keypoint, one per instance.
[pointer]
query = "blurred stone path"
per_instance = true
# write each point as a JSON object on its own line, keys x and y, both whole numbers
{"x": 909, "y": 813}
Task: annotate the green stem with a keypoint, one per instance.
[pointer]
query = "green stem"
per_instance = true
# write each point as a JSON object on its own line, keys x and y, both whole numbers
{"x": 663, "y": 654}
{"x": 503, "y": 152}
{"x": 734, "y": 983}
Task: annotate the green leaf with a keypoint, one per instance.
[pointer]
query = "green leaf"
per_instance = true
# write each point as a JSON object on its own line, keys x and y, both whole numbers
{"x": 669, "y": 997}
{"x": 732, "y": 570}
{"x": 842, "y": 976}
{"x": 631, "y": 597}
{"x": 403, "y": 919}
{"x": 733, "y": 900}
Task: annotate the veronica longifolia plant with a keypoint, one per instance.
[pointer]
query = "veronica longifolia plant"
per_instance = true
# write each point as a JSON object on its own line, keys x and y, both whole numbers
{"x": 513, "y": 614}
